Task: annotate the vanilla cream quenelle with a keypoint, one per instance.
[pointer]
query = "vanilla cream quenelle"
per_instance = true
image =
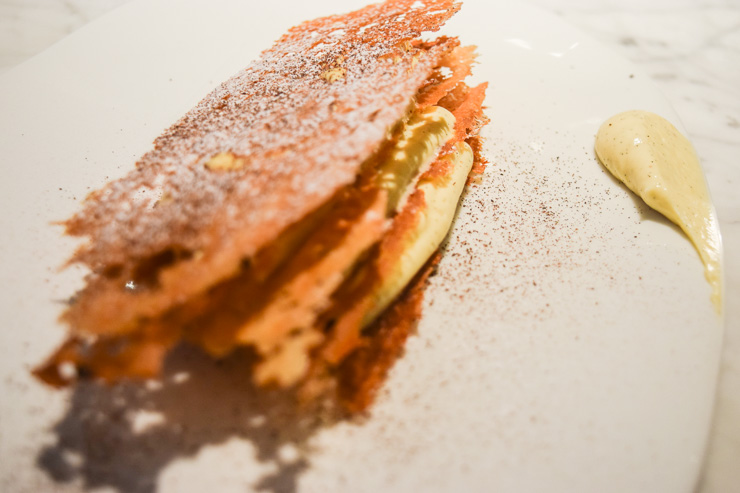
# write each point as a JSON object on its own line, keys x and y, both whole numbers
{"x": 651, "y": 157}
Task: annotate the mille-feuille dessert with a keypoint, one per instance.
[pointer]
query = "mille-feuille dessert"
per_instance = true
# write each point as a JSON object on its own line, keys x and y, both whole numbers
{"x": 294, "y": 211}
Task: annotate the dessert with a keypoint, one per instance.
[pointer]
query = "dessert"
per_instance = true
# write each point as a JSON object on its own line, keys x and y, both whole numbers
{"x": 293, "y": 211}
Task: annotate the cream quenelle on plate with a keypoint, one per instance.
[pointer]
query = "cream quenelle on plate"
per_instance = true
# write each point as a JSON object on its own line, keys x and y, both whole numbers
{"x": 649, "y": 155}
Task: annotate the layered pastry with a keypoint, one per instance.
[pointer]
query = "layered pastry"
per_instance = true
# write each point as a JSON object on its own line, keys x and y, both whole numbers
{"x": 295, "y": 211}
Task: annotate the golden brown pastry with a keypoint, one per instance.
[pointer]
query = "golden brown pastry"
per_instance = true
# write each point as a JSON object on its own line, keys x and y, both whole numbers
{"x": 286, "y": 212}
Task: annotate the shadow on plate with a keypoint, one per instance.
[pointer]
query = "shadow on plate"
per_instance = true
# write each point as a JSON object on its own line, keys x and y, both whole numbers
{"x": 124, "y": 436}
{"x": 646, "y": 212}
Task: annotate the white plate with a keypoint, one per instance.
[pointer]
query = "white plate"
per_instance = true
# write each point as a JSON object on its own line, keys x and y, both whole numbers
{"x": 568, "y": 343}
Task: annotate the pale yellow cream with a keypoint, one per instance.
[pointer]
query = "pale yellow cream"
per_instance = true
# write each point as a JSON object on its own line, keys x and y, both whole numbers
{"x": 655, "y": 161}
{"x": 417, "y": 144}
{"x": 440, "y": 197}
{"x": 419, "y": 141}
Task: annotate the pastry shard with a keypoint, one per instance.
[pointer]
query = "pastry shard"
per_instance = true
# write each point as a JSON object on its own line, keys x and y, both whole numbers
{"x": 293, "y": 211}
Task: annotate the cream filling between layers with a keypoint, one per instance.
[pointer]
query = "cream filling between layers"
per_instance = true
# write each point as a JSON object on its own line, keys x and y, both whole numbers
{"x": 418, "y": 143}
{"x": 435, "y": 219}
{"x": 425, "y": 132}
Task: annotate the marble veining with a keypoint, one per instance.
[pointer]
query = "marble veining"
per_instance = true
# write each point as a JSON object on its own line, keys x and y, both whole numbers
{"x": 689, "y": 48}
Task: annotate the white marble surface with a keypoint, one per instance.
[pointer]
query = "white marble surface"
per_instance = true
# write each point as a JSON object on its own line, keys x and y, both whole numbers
{"x": 690, "y": 48}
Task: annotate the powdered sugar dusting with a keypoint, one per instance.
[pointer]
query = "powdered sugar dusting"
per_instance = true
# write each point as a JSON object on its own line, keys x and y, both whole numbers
{"x": 302, "y": 137}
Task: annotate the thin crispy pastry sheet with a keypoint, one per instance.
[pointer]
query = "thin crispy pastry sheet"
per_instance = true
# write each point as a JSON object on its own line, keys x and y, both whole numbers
{"x": 247, "y": 276}
{"x": 296, "y": 125}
